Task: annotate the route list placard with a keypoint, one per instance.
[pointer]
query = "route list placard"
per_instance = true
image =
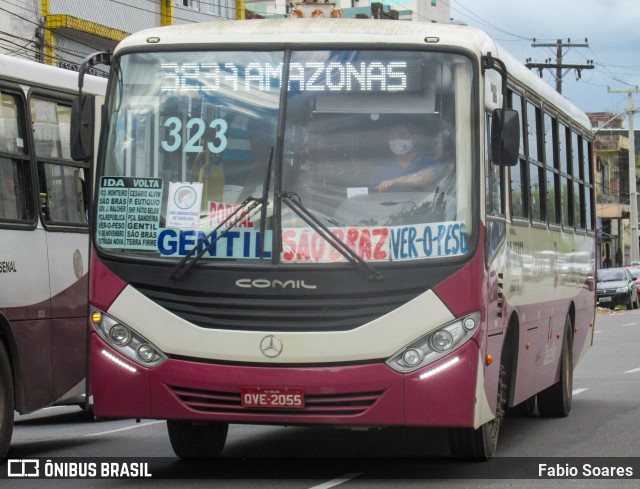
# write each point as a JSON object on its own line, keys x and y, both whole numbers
{"x": 129, "y": 212}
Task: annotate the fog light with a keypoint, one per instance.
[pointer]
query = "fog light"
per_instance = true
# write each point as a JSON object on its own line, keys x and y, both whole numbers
{"x": 146, "y": 353}
{"x": 411, "y": 357}
{"x": 441, "y": 340}
{"x": 469, "y": 324}
{"x": 120, "y": 335}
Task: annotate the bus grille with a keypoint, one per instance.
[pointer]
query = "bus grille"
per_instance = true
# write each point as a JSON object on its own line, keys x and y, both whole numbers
{"x": 213, "y": 402}
{"x": 277, "y": 313}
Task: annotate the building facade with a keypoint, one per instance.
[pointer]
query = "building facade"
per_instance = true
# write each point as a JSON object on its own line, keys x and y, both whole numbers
{"x": 611, "y": 148}
{"x": 63, "y": 32}
{"x": 414, "y": 10}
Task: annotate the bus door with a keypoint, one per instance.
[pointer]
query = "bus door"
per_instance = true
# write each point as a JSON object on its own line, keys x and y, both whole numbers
{"x": 63, "y": 187}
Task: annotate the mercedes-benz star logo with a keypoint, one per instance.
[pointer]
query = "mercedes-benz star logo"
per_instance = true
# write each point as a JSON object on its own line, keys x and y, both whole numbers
{"x": 271, "y": 346}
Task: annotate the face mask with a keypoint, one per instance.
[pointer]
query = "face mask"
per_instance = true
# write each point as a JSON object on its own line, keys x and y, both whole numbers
{"x": 401, "y": 146}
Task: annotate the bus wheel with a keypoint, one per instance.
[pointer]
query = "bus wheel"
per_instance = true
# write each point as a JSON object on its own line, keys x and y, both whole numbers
{"x": 555, "y": 401}
{"x": 480, "y": 444}
{"x": 7, "y": 402}
{"x": 197, "y": 440}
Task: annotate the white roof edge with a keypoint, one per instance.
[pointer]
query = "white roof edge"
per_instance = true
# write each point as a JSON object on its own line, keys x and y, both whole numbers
{"x": 38, "y": 74}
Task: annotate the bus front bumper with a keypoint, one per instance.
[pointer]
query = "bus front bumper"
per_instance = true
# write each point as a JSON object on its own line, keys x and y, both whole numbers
{"x": 440, "y": 394}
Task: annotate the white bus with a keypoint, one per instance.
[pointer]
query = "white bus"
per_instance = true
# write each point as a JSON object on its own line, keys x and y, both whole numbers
{"x": 44, "y": 209}
{"x": 337, "y": 222}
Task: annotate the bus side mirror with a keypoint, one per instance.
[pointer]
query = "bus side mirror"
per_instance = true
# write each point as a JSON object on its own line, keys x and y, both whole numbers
{"x": 505, "y": 137}
{"x": 82, "y": 124}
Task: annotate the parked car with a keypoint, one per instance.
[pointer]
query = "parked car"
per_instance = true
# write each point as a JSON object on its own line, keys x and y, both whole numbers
{"x": 635, "y": 273}
{"x": 615, "y": 287}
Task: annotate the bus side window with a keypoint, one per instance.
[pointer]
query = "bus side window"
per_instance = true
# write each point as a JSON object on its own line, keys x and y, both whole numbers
{"x": 15, "y": 178}
{"x": 494, "y": 182}
{"x": 518, "y": 187}
{"x": 63, "y": 194}
{"x": 9, "y": 208}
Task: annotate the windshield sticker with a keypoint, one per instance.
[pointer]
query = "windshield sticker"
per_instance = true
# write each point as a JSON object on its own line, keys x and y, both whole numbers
{"x": 129, "y": 212}
{"x": 237, "y": 243}
{"x": 428, "y": 241}
{"x": 303, "y": 245}
{"x": 219, "y": 211}
{"x": 377, "y": 244}
{"x": 183, "y": 205}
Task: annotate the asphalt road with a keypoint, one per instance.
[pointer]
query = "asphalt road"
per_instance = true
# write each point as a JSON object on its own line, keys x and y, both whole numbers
{"x": 602, "y": 430}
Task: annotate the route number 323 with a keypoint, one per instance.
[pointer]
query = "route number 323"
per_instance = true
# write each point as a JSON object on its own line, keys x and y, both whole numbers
{"x": 173, "y": 140}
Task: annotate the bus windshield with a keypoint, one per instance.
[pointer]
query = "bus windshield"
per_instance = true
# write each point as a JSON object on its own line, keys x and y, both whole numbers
{"x": 375, "y": 144}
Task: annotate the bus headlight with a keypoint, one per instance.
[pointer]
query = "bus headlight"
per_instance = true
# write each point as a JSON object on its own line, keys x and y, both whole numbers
{"x": 441, "y": 340}
{"x": 120, "y": 335}
{"x": 435, "y": 344}
{"x": 146, "y": 353}
{"x": 412, "y": 357}
{"x": 125, "y": 340}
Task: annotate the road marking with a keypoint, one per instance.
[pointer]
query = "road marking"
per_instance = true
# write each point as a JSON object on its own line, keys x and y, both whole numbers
{"x": 627, "y": 325}
{"x": 335, "y": 482}
{"x": 632, "y": 371}
{"x": 578, "y": 391}
{"x": 123, "y": 429}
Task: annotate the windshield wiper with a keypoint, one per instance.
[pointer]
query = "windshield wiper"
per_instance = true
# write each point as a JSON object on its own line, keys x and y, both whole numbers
{"x": 247, "y": 206}
{"x": 294, "y": 202}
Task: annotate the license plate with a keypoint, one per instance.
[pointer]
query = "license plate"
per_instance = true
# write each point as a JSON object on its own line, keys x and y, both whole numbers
{"x": 272, "y": 397}
{"x": 605, "y": 299}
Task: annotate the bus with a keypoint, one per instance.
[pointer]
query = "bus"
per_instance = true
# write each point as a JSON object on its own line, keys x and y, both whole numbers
{"x": 44, "y": 241}
{"x": 246, "y": 268}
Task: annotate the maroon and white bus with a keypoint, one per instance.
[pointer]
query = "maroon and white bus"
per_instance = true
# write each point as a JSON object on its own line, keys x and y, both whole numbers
{"x": 249, "y": 266}
{"x": 44, "y": 241}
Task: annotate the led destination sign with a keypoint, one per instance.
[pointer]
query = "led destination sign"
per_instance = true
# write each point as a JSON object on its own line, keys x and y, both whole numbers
{"x": 329, "y": 76}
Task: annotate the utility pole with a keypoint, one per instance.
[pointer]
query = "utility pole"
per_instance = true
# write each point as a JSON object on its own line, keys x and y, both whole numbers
{"x": 559, "y": 65}
{"x": 633, "y": 187}
{"x": 40, "y": 41}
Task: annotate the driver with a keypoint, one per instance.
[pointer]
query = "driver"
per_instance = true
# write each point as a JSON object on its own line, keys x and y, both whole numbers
{"x": 412, "y": 169}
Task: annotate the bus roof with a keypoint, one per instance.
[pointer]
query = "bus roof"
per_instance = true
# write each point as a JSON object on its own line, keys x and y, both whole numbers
{"x": 31, "y": 73}
{"x": 350, "y": 31}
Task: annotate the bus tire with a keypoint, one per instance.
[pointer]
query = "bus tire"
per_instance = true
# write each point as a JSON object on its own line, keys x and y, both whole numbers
{"x": 480, "y": 444}
{"x": 7, "y": 402}
{"x": 197, "y": 440}
{"x": 555, "y": 401}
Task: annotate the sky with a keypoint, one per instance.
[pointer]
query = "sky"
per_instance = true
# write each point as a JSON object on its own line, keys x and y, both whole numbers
{"x": 612, "y": 28}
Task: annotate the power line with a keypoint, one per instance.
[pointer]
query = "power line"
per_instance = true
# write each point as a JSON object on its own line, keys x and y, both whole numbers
{"x": 19, "y": 46}
{"x": 559, "y": 65}
{"x": 483, "y": 21}
{"x": 49, "y": 29}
